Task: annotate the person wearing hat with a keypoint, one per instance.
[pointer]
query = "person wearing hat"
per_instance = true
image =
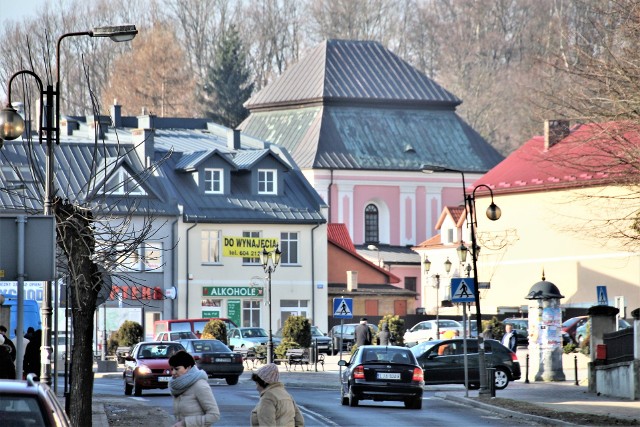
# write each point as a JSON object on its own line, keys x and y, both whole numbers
{"x": 276, "y": 406}
{"x": 363, "y": 333}
{"x": 193, "y": 402}
{"x": 7, "y": 341}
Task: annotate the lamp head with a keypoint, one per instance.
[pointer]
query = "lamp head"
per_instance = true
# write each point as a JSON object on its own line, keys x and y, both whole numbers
{"x": 276, "y": 256}
{"x": 462, "y": 253}
{"x": 447, "y": 265}
{"x": 117, "y": 33}
{"x": 11, "y": 123}
{"x": 264, "y": 257}
{"x": 493, "y": 212}
{"x": 426, "y": 264}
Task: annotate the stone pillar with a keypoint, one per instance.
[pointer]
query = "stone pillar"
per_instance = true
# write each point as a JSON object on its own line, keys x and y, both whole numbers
{"x": 545, "y": 340}
{"x": 602, "y": 320}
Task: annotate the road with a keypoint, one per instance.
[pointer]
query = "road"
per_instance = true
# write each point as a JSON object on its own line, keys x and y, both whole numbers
{"x": 320, "y": 407}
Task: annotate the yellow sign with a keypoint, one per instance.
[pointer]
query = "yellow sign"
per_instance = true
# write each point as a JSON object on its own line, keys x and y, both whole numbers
{"x": 247, "y": 247}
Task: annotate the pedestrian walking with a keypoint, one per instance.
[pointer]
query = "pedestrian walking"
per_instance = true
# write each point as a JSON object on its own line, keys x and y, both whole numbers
{"x": 384, "y": 336}
{"x": 31, "y": 363}
{"x": 194, "y": 404}
{"x": 276, "y": 406}
{"x": 363, "y": 333}
{"x": 7, "y": 368}
{"x": 509, "y": 339}
{"x": 7, "y": 341}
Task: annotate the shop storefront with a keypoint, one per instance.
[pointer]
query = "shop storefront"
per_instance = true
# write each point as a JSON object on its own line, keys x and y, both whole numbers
{"x": 241, "y": 304}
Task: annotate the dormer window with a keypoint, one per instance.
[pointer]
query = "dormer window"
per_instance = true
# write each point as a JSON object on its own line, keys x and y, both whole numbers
{"x": 122, "y": 183}
{"x": 213, "y": 181}
{"x": 267, "y": 183}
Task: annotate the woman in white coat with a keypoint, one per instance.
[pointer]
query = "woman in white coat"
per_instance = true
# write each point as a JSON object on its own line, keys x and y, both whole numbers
{"x": 193, "y": 402}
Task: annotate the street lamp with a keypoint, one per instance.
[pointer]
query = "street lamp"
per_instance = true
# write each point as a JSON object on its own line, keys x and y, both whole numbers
{"x": 426, "y": 265}
{"x": 12, "y": 126}
{"x": 493, "y": 213}
{"x": 270, "y": 261}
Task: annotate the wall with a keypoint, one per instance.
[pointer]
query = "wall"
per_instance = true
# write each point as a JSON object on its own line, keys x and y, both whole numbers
{"x": 619, "y": 380}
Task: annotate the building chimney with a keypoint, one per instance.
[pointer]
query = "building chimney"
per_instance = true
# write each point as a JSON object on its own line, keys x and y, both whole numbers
{"x": 143, "y": 141}
{"x": 352, "y": 281}
{"x": 116, "y": 114}
{"x": 233, "y": 139}
{"x": 554, "y": 132}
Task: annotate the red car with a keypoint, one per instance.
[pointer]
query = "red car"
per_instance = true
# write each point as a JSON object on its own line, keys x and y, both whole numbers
{"x": 147, "y": 367}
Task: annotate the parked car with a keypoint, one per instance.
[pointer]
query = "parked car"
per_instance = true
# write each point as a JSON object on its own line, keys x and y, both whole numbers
{"x": 215, "y": 358}
{"x": 382, "y": 373}
{"x": 324, "y": 342}
{"x": 147, "y": 367}
{"x": 584, "y": 331}
{"x": 428, "y": 330}
{"x": 569, "y": 327}
{"x": 247, "y": 337}
{"x": 520, "y": 327}
{"x": 175, "y": 336}
{"x": 347, "y": 335}
{"x": 443, "y": 362}
{"x": 30, "y": 403}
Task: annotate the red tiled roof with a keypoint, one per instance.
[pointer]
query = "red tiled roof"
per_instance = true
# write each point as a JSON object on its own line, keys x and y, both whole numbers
{"x": 593, "y": 154}
{"x": 339, "y": 235}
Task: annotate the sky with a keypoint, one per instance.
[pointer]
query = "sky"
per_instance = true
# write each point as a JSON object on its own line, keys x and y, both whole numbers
{"x": 18, "y": 9}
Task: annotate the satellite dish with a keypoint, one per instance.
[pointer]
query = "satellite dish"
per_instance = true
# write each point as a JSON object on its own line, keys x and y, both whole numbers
{"x": 105, "y": 287}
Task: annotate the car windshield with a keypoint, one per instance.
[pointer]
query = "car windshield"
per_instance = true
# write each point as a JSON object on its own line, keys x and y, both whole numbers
{"x": 254, "y": 333}
{"x": 202, "y": 346}
{"x": 421, "y": 348}
{"x": 316, "y": 332}
{"x": 386, "y": 355}
{"x": 158, "y": 351}
{"x": 20, "y": 405}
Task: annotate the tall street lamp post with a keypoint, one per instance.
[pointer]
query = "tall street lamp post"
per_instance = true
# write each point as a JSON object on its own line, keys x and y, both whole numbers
{"x": 493, "y": 213}
{"x": 426, "y": 265}
{"x": 12, "y": 127}
{"x": 270, "y": 261}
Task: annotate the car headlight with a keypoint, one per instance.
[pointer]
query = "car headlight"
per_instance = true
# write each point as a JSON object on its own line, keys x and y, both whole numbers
{"x": 144, "y": 369}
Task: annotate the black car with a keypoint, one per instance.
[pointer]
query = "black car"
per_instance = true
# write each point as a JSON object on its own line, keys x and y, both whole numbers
{"x": 215, "y": 358}
{"x": 443, "y": 362}
{"x": 347, "y": 333}
{"x": 382, "y": 373}
{"x": 520, "y": 327}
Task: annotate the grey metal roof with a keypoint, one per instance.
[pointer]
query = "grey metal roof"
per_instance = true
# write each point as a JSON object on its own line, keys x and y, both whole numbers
{"x": 246, "y": 159}
{"x": 374, "y": 138}
{"x": 353, "y": 70}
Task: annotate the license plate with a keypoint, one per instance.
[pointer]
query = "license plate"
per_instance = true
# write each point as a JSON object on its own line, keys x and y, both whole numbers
{"x": 388, "y": 376}
{"x": 164, "y": 379}
{"x": 222, "y": 360}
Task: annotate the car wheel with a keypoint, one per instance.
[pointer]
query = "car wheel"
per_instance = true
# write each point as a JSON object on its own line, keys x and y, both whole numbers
{"x": 232, "y": 380}
{"x": 137, "y": 390}
{"x": 343, "y": 399}
{"x": 415, "y": 403}
{"x": 501, "y": 378}
{"x": 128, "y": 388}
{"x": 353, "y": 400}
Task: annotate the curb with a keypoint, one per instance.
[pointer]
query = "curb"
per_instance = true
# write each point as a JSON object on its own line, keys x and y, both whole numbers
{"x": 513, "y": 414}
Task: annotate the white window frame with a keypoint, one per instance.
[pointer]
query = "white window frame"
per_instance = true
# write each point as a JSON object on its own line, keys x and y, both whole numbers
{"x": 286, "y": 241}
{"x": 152, "y": 259}
{"x": 132, "y": 262}
{"x": 210, "y": 181}
{"x": 251, "y": 234}
{"x": 207, "y": 237}
{"x": 266, "y": 178}
{"x": 122, "y": 183}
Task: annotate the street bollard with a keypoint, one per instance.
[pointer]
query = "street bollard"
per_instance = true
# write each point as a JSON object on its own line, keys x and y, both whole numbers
{"x": 526, "y": 375}
{"x": 575, "y": 365}
{"x": 491, "y": 379}
{"x": 315, "y": 354}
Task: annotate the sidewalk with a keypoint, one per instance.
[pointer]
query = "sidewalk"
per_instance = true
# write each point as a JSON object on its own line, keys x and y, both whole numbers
{"x": 559, "y": 396}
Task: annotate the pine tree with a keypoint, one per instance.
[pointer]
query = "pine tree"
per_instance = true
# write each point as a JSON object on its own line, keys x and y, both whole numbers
{"x": 228, "y": 82}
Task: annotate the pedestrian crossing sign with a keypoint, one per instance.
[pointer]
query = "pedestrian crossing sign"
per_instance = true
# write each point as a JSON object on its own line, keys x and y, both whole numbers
{"x": 343, "y": 308}
{"x": 462, "y": 290}
{"x": 602, "y": 295}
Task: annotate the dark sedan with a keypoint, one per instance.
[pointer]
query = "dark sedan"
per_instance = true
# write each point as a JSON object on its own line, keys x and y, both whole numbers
{"x": 30, "y": 403}
{"x": 382, "y": 373}
{"x": 147, "y": 367}
{"x": 347, "y": 335}
{"x": 215, "y": 358}
{"x": 443, "y": 362}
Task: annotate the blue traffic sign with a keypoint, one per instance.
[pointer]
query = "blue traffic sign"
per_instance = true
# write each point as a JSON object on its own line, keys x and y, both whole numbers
{"x": 343, "y": 308}
{"x": 601, "y": 292}
{"x": 462, "y": 290}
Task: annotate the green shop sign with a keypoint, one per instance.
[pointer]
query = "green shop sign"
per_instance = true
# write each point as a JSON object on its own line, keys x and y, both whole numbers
{"x": 232, "y": 291}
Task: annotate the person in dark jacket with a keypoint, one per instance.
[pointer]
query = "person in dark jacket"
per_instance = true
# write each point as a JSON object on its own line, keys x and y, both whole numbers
{"x": 510, "y": 339}
{"x": 7, "y": 341}
{"x": 32, "y": 354}
{"x": 487, "y": 334}
{"x": 363, "y": 333}
{"x": 384, "y": 336}
{"x": 7, "y": 368}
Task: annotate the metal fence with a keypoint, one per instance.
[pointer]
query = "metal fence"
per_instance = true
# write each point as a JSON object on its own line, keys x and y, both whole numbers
{"x": 619, "y": 345}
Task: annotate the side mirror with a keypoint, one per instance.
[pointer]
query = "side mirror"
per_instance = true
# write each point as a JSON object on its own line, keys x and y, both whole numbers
{"x": 342, "y": 362}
